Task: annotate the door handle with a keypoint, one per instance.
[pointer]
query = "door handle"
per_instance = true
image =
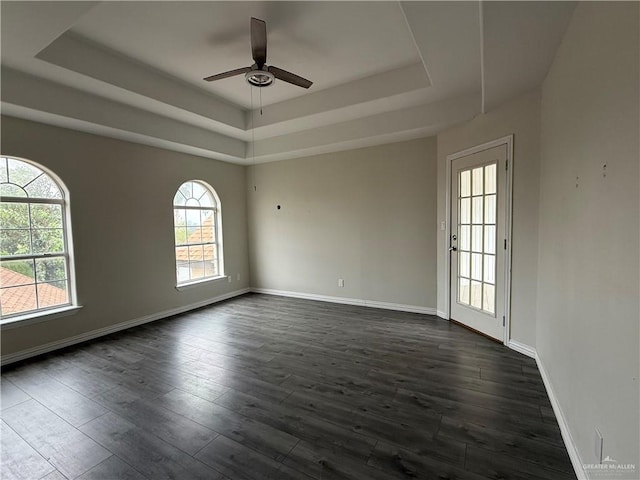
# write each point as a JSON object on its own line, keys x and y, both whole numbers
{"x": 453, "y": 249}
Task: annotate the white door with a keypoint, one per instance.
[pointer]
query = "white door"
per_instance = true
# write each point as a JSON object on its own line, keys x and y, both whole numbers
{"x": 478, "y": 241}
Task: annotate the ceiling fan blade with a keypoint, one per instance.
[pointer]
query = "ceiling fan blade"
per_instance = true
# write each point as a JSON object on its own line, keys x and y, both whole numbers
{"x": 230, "y": 73}
{"x": 290, "y": 77}
{"x": 259, "y": 41}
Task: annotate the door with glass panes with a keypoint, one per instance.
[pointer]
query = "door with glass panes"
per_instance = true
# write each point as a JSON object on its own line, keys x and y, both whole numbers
{"x": 477, "y": 244}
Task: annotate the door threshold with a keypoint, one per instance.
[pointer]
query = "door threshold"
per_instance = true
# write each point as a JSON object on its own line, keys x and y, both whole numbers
{"x": 475, "y": 331}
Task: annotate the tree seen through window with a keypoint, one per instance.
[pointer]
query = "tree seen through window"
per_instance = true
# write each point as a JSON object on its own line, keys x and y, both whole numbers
{"x": 33, "y": 251}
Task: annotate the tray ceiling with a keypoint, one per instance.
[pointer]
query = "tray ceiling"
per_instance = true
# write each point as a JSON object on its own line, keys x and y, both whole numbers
{"x": 382, "y": 71}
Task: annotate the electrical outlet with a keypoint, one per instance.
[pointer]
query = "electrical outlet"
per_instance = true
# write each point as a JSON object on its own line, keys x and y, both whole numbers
{"x": 238, "y": 276}
{"x": 599, "y": 442}
{"x": 229, "y": 278}
{"x": 341, "y": 282}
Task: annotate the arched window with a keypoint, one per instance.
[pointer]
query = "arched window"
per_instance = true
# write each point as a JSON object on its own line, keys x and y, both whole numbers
{"x": 34, "y": 240}
{"x": 198, "y": 237}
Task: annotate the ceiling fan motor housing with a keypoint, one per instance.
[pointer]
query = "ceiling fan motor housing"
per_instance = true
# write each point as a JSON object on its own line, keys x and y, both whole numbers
{"x": 259, "y": 78}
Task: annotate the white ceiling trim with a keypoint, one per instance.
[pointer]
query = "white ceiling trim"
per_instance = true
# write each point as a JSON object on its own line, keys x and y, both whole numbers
{"x": 370, "y": 89}
{"x": 85, "y": 57}
{"x": 33, "y": 93}
{"x": 446, "y": 62}
{"x": 105, "y": 131}
{"x": 24, "y": 95}
{"x": 437, "y": 115}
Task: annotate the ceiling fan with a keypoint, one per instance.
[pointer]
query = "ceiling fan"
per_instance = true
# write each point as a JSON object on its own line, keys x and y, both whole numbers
{"x": 260, "y": 74}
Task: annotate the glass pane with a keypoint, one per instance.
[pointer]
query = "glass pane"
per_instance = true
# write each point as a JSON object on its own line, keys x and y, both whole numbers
{"x": 463, "y": 290}
{"x": 465, "y": 210}
{"x": 490, "y": 269}
{"x": 15, "y": 242}
{"x": 182, "y": 254}
{"x": 3, "y": 170}
{"x": 14, "y": 215}
{"x": 179, "y": 199}
{"x": 47, "y": 241}
{"x": 211, "y": 269}
{"x": 477, "y": 181}
{"x": 181, "y": 235}
{"x": 196, "y": 254}
{"x": 52, "y": 293}
{"x": 194, "y": 235}
{"x": 192, "y": 202}
{"x": 463, "y": 264}
{"x": 186, "y": 189}
{"x": 17, "y": 299}
{"x": 207, "y": 200}
{"x": 207, "y": 216}
{"x": 489, "y": 300}
{"x": 46, "y": 216}
{"x": 465, "y": 237}
{"x": 43, "y": 187}
{"x": 182, "y": 271}
{"x": 490, "y": 239}
{"x": 490, "y": 178}
{"x": 465, "y": 183}
{"x": 10, "y": 190}
{"x": 50, "y": 269}
{"x": 476, "y": 238}
{"x": 490, "y": 209}
{"x": 179, "y": 217}
{"x": 21, "y": 172}
{"x": 476, "y": 294}
{"x": 16, "y": 272}
{"x": 197, "y": 270}
{"x": 198, "y": 190}
{"x": 193, "y": 218}
{"x": 477, "y": 210}
{"x": 476, "y": 266}
{"x": 209, "y": 252}
{"x": 208, "y": 230}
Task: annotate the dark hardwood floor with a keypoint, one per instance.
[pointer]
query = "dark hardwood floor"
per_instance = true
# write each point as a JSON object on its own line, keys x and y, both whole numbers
{"x": 264, "y": 387}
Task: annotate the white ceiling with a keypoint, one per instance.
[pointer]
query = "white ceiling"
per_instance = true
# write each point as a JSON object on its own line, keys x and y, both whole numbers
{"x": 382, "y": 71}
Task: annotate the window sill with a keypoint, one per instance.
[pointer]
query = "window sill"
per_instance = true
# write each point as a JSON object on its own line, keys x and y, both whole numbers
{"x": 184, "y": 286}
{"x": 37, "y": 317}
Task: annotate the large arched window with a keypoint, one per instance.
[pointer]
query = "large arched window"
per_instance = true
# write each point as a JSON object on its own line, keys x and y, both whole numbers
{"x": 198, "y": 237}
{"x": 34, "y": 240}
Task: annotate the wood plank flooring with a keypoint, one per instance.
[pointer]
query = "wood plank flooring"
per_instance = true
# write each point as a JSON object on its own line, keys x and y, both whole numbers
{"x": 263, "y": 387}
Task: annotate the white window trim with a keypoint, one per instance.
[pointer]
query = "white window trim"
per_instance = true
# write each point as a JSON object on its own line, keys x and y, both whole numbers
{"x": 195, "y": 283}
{"x": 217, "y": 209}
{"x": 47, "y": 313}
{"x": 38, "y": 316}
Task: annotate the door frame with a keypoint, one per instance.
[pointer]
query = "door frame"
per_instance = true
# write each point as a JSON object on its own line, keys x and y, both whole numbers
{"x": 508, "y": 141}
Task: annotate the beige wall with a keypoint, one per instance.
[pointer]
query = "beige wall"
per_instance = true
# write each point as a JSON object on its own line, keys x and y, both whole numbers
{"x": 367, "y": 216}
{"x": 121, "y": 198}
{"x": 588, "y": 287}
{"x": 521, "y": 118}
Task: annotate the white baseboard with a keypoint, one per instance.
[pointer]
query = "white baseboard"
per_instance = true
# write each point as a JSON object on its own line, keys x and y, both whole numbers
{"x": 574, "y": 456}
{"x": 442, "y": 315}
{"x": 569, "y": 444}
{"x": 348, "y": 301}
{"x": 522, "y": 348}
{"x": 48, "y": 347}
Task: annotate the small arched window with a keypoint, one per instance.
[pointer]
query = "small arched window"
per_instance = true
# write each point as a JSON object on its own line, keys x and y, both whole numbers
{"x": 198, "y": 237}
{"x": 34, "y": 240}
